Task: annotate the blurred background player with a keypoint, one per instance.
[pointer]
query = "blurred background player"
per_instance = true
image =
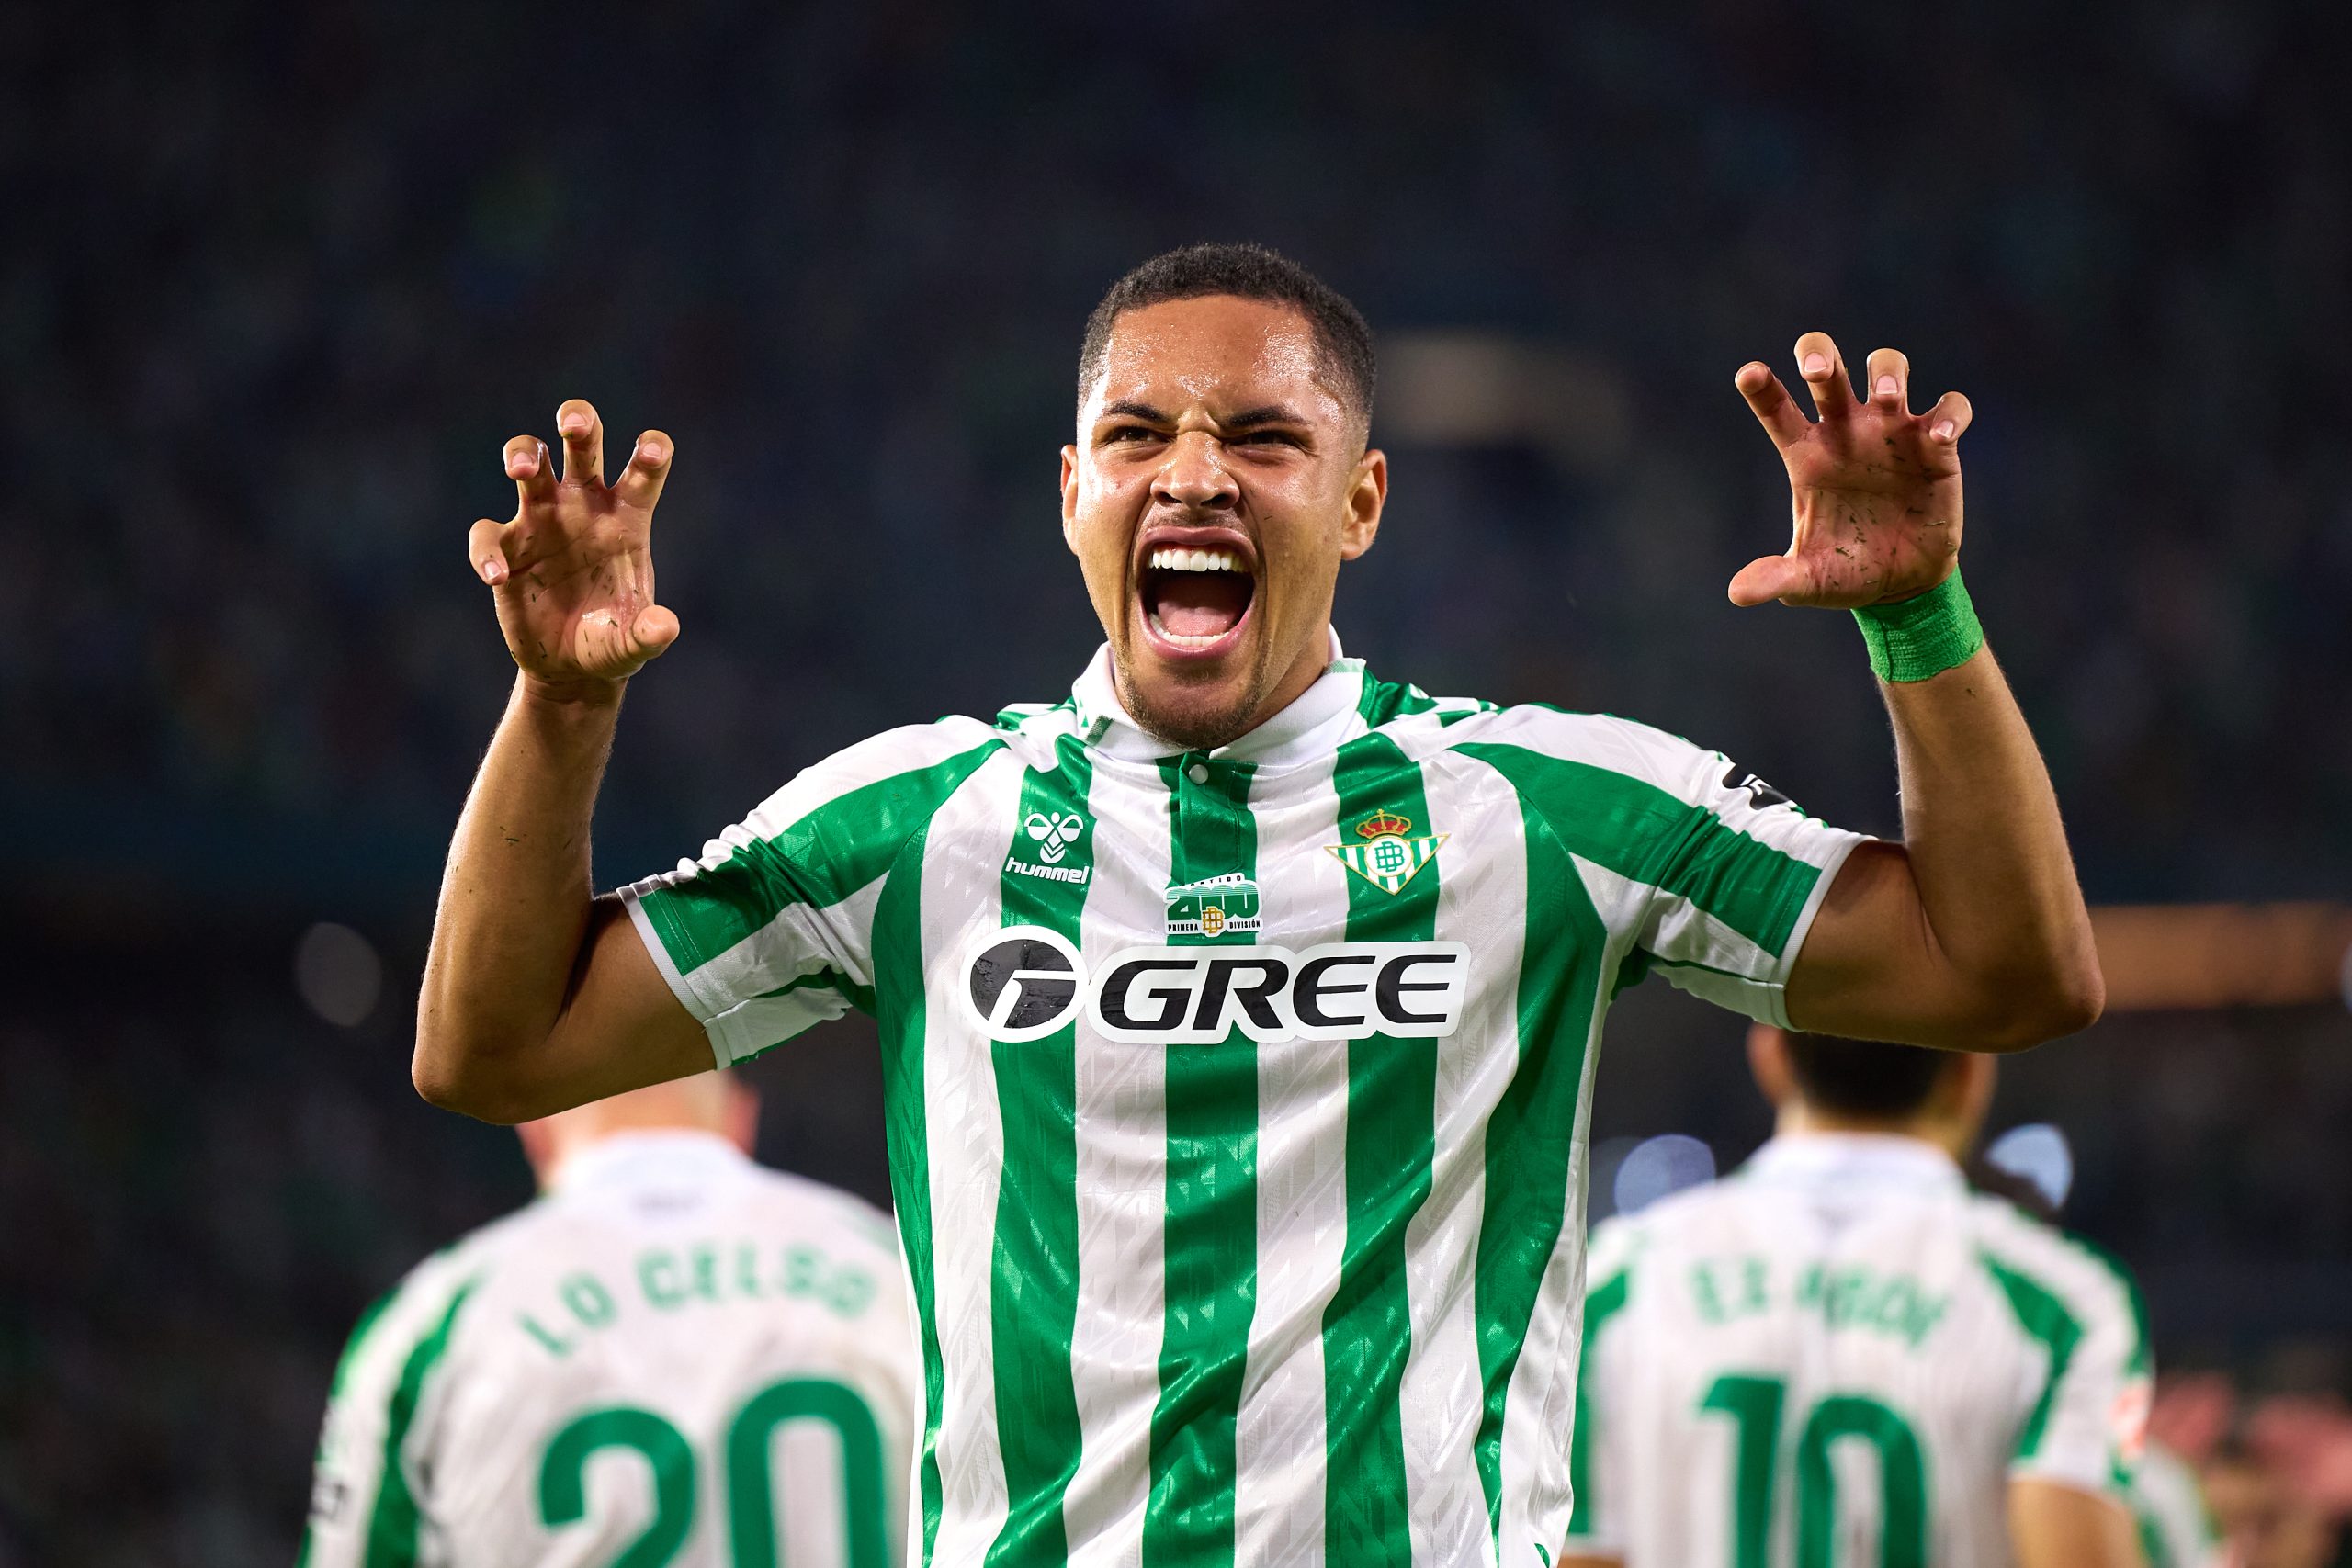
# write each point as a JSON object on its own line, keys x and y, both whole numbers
{"x": 672, "y": 1356}
{"x": 1841, "y": 1354}
{"x": 2175, "y": 1524}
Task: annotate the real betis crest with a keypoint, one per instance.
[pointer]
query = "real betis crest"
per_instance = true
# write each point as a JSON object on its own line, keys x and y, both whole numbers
{"x": 1390, "y": 853}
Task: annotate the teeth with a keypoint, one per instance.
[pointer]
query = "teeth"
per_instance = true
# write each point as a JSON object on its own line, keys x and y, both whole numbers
{"x": 1180, "y": 640}
{"x": 1168, "y": 559}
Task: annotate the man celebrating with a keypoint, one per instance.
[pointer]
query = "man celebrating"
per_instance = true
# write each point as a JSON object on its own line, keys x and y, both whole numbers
{"x": 1239, "y": 1012}
{"x": 1842, "y": 1355}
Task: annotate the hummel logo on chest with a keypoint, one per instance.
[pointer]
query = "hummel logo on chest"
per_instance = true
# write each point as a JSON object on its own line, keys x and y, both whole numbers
{"x": 1051, "y": 835}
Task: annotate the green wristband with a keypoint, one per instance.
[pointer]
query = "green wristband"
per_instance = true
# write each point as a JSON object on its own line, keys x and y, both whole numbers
{"x": 1916, "y": 638}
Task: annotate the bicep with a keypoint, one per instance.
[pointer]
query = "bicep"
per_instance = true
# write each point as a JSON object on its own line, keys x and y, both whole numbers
{"x": 2052, "y": 1525}
{"x": 622, "y": 1026}
{"x": 1870, "y": 969}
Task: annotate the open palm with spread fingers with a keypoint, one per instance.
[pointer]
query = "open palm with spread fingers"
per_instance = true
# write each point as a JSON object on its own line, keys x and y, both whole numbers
{"x": 572, "y": 569}
{"x": 1876, "y": 488}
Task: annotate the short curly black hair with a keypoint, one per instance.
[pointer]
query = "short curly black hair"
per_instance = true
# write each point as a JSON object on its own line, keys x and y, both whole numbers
{"x": 1865, "y": 1077}
{"x": 1246, "y": 272}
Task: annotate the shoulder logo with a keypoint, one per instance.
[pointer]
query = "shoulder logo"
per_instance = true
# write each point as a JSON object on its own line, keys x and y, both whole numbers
{"x": 1388, "y": 855}
{"x": 1759, "y": 793}
{"x": 1215, "y": 906}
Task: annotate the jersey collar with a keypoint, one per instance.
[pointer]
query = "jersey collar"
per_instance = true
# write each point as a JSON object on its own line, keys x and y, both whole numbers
{"x": 1863, "y": 1159}
{"x": 625, "y": 1159}
{"x": 1313, "y": 726}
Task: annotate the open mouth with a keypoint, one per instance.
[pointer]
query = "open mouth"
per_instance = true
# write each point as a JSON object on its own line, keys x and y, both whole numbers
{"x": 1195, "y": 600}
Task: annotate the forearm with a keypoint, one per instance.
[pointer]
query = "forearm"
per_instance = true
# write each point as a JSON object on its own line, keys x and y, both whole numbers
{"x": 516, "y": 896}
{"x": 1986, "y": 851}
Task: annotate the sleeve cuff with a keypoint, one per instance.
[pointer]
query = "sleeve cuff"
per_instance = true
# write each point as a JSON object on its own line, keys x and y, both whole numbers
{"x": 1841, "y": 848}
{"x": 680, "y": 987}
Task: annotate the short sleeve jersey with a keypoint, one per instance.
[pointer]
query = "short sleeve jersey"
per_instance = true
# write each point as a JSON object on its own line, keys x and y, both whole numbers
{"x": 1237, "y": 1098}
{"x": 2176, "y": 1527}
{"x": 677, "y": 1357}
{"x": 1841, "y": 1354}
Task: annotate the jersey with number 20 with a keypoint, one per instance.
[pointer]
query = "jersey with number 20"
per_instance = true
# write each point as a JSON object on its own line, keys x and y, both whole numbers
{"x": 1237, "y": 1098}
{"x": 675, "y": 1358}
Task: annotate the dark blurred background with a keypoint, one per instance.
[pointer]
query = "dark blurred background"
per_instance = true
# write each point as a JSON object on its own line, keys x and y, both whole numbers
{"x": 277, "y": 282}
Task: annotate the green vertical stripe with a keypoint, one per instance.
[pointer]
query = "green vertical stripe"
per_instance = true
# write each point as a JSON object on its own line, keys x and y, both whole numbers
{"x": 2139, "y": 1360}
{"x": 391, "y": 1528}
{"x": 1211, "y": 1229}
{"x": 1392, "y": 1113}
{"x": 1379, "y": 701}
{"x": 1034, "y": 1286}
{"x": 361, "y": 1334}
{"x": 1641, "y": 831}
{"x": 1534, "y": 1139}
{"x": 821, "y": 859}
{"x": 1599, "y": 1305}
{"x": 2046, "y": 1318}
{"x": 899, "y": 1006}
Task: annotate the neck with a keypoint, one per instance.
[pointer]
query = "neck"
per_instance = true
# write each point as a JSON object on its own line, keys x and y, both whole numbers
{"x": 1798, "y": 1120}
{"x": 1305, "y": 669}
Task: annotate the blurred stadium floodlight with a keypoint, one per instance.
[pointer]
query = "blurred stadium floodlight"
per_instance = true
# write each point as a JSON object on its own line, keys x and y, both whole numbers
{"x": 2215, "y": 956}
{"x": 2039, "y": 1153}
{"x": 1660, "y": 1168}
{"x": 338, "y": 974}
{"x": 1462, "y": 388}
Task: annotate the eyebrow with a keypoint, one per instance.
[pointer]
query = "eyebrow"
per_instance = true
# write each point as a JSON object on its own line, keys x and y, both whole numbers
{"x": 1265, "y": 414}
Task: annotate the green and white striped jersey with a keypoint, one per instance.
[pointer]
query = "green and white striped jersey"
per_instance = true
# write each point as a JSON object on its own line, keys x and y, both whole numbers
{"x": 2176, "y": 1527}
{"x": 1841, "y": 1354}
{"x": 1237, "y": 1098}
{"x": 676, "y": 1357}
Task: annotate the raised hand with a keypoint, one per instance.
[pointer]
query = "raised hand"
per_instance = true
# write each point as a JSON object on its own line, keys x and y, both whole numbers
{"x": 1876, "y": 488}
{"x": 573, "y": 571}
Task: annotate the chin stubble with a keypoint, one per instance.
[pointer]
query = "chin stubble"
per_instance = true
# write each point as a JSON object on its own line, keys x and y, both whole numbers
{"x": 1192, "y": 731}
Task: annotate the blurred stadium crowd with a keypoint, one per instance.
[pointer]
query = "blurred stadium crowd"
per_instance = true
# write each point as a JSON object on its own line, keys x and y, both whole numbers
{"x": 278, "y": 283}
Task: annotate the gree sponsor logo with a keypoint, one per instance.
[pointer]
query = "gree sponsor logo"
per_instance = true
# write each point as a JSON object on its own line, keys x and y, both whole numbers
{"x": 1026, "y": 982}
{"x": 1020, "y": 982}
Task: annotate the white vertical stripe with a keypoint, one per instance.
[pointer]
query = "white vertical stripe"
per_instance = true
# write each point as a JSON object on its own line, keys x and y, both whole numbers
{"x": 1539, "y": 1408}
{"x": 1122, "y": 1179}
{"x": 1482, "y": 901}
{"x": 964, "y": 1132}
{"x": 1279, "y": 1438}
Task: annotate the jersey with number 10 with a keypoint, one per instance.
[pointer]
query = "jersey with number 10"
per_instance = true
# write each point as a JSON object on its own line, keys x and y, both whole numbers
{"x": 1237, "y": 1098}
{"x": 1842, "y": 1355}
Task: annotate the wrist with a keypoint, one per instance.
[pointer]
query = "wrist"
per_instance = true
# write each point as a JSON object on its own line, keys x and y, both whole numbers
{"x": 580, "y": 696}
{"x": 1920, "y": 637}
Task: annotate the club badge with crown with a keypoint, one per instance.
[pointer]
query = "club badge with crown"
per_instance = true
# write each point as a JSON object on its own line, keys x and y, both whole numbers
{"x": 1389, "y": 853}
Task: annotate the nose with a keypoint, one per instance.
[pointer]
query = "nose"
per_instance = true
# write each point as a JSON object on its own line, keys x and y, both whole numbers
{"x": 1193, "y": 475}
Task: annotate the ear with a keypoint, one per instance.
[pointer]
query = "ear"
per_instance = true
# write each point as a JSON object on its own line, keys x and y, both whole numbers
{"x": 1070, "y": 498}
{"x": 1973, "y": 1079}
{"x": 539, "y": 1148}
{"x": 740, "y": 1115}
{"x": 1367, "y": 494}
{"x": 1768, "y": 1063}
